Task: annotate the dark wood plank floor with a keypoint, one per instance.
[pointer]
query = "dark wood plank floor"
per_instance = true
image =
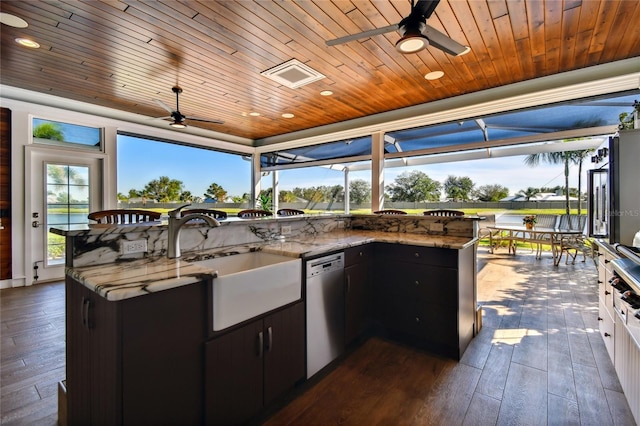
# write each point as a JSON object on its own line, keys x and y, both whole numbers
{"x": 538, "y": 360}
{"x": 32, "y": 353}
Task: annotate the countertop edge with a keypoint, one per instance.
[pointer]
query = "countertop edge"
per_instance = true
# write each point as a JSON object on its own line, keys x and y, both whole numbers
{"x": 123, "y": 280}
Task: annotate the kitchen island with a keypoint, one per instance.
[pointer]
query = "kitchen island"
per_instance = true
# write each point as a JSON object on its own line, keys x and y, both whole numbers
{"x": 153, "y": 312}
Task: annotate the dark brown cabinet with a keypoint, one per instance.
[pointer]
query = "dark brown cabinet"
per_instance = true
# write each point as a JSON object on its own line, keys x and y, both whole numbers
{"x": 357, "y": 286}
{"x": 426, "y": 296}
{"x": 135, "y": 361}
{"x": 251, "y": 366}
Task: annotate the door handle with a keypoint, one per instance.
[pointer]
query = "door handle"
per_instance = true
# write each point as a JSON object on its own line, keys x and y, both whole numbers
{"x": 35, "y": 224}
{"x": 85, "y": 313}
{"x": 269, "y": 339}
{"x": 260, "y": 344}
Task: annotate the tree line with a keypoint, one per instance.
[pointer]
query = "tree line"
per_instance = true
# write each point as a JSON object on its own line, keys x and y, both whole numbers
{"x": 410, "y": 186}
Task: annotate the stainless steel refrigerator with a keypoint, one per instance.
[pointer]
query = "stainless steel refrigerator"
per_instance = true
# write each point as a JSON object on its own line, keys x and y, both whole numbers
{"x": 614, "y": 189}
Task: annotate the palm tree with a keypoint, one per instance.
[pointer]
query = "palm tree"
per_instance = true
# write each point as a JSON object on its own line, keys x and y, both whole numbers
{"x": 528, "y": 193}
{"x": 532, "y": 160}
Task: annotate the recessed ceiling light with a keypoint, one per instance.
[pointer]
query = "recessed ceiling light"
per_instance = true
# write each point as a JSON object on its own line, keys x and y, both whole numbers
{"x": 287, "y": 115}
{"x": 434, "y": 75}
{"x": 254, "y": 114}
{"x": 27, "y": 43}
{"x": 326, "y": 93}
{"x": 13, "y": 20}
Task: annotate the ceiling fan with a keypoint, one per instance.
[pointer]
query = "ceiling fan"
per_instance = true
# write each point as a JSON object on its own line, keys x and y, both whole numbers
{"x": 416, "y": 34}
{"x": 177, "y": 117}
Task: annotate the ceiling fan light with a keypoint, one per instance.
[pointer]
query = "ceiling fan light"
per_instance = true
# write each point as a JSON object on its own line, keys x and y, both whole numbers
{"x": 177, "y": 124}
{"x": 412, "y": 44}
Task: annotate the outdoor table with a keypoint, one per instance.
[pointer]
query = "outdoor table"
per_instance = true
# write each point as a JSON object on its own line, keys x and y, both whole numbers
{"x": 535, "y": 235}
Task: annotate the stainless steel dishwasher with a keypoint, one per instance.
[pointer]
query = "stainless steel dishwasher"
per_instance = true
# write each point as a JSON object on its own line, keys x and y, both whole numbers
{"x": 325, "y": 311}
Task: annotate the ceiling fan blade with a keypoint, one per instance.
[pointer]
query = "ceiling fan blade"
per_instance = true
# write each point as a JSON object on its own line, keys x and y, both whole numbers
{"x": 443, "y": 42}
{"x": 163, "y": 105}
{"x": 363, "y": 34}
{"x": 206, "y": 120}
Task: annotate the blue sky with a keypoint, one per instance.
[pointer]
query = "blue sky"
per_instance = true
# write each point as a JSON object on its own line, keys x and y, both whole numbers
{"x": 140, "y": 161}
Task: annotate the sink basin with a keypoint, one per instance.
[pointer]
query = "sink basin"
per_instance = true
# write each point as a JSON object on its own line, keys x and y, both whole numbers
{"x": 249, "y": 284}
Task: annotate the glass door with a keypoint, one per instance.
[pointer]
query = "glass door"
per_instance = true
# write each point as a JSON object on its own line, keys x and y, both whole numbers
{"x": 598, "y": 214}
{"x": 64, "y": 188}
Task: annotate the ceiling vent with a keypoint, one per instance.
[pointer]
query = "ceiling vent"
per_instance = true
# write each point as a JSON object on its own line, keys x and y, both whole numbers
{"x": 292, "y": 74}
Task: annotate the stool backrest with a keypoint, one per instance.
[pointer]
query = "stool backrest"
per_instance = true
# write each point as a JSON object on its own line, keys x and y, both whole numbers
{"x": 443, "y": 212}
{"x": 124, "y": 216}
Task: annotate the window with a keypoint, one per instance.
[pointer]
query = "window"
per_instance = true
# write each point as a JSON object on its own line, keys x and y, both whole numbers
{"x": 67, "y": 204}
{"x": 152, "y": 171}
{"x": 49, "y": 132}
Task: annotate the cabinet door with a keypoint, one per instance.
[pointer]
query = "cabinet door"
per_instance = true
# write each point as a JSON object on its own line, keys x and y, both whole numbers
{"x": 93, "y": 364}
{"x": 162, "y": 356}
{"x": 234, "y": 374}
{"x": 284, "y": 351}
{"x": 78, "y": 363}
{"x": 357, "y": 289}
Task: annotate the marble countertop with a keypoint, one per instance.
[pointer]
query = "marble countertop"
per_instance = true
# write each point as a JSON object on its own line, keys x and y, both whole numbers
{"x": 123, "y": 280}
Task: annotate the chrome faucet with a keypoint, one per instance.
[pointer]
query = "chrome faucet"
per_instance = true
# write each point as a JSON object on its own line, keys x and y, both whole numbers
{"x": 175, "y": 225}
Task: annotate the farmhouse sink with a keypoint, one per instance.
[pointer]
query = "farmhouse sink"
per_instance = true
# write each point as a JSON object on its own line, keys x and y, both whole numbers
{"x": 250, "y": 284}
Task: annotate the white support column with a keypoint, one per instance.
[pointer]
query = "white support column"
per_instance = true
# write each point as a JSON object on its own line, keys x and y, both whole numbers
{"x": 377, "y": 171}
{"x": 347, "y": 200}
{"x": 275, "y": 182}
{"x": 256, "y": 175}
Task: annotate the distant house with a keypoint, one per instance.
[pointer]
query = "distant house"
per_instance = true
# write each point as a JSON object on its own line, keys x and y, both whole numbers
{"x": 541, "y": 196}
{"x": 141, "y": 200}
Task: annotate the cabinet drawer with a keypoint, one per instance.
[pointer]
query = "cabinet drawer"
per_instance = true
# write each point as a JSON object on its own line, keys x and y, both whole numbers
{"x": 355, "y": 255}
{"x": 607, "y": 330}
{"x": 426, "y": 321}
{"x": 422, "y": 282}
{"x": 447, "y": 258}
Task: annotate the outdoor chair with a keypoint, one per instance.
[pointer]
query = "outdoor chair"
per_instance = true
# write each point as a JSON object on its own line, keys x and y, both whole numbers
{"x": 289, "y": 212}
{"x": 216, "y": 214}
{"x": 389, "y": 211}
{"x": 252, "y": 213}
{"x": 124, "y": 216}
{"x": 573, "y": 245}
{"x": 443, "y": 212}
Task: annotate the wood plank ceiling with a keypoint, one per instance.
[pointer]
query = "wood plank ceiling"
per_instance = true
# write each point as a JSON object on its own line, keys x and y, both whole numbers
{"x": 125, "y": 54}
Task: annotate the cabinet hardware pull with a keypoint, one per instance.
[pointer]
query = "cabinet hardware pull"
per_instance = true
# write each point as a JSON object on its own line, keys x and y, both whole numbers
{"x": 606, "y": 293}
{"x": 260, "y": 343}
{"x": 361, "y": 254}
{"x": 269, "y": 339}
{"x": 599, "y": 318}
{"x": 607, "y": 261}
{"x": 417, "y": 319}
{"x": 417, "y": 282}
{"x": 600, "y": 282}
{"x": 607, "y": 335}
{"x": 88, "y": 314}
{"x": 417, "y": 254}
{"x": 83, "y": 312}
